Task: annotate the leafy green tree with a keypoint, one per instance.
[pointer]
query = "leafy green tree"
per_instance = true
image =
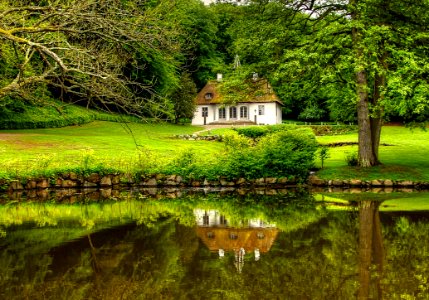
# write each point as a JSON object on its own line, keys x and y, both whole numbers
{"x": 365, "y": 55}
{"x": 183, "y": 98}
{"x": 199, "y": 40}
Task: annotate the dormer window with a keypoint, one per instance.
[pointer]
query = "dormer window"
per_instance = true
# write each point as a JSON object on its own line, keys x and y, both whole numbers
{"x": 208, "y": 96}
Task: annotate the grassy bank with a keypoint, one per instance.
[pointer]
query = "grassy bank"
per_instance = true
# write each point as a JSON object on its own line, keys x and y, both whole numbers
{"x": 54, "y": 114}
{"x": 123, "y": 147}
{"x": 404, "y": 156}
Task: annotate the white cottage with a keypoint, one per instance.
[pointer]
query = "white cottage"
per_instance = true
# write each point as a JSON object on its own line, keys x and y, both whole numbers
{"x": 261, "y": 107}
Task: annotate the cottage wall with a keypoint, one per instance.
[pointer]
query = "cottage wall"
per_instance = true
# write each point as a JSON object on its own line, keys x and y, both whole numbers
{"x": 270, "y": 116}
{"x": 272, "y": 113}
{"x": 198, "y": 118}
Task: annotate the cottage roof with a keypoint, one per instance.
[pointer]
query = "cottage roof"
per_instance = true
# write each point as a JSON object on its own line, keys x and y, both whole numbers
{"x": 261, "y": 92}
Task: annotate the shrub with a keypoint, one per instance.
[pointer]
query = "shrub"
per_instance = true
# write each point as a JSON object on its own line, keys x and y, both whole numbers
{"x": 352, "y": 158}
{"x": 234, "y": 142}
{"x": 259, "y": 131}
{"x": 281, "y": 154}
{"x": 53, "y": 114}
{"x": 288, "y": 153}
{"x": 281, "y": 127}
{"x": 245, "y": 162}
{"x": 252, "y": 132}
{"x": 183, "y": 164}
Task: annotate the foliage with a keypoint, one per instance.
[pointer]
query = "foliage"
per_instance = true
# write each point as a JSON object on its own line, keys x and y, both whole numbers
{"x": 259, "y": 131}
{"x": 252, "y": 132}
{"x": 323, "y": 154}
{"x": 200, "y": 27}
{"x": 78, "y": 50}
{"x": 288, "y": 153}
{"x": 341, "y": 59}
{"x": 52, "y": 114}
{"x": 183, "y": 98}
{"x": 184, "y": 163}
{"x": 131, "y": 63}
{"x": 280, "y": 154}
{"x": 312, "y": 112}
{"x": 351, "y": 158}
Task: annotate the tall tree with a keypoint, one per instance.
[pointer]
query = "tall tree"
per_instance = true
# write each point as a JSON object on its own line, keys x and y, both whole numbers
{"x": 183, "y": 98}
{"x": 374, "y": 46}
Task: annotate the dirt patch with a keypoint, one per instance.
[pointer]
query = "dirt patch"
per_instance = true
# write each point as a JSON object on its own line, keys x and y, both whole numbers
{"x": 16, "y": 140}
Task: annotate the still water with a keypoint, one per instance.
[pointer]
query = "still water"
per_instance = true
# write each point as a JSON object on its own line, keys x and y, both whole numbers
{"x": 196, "y": 245}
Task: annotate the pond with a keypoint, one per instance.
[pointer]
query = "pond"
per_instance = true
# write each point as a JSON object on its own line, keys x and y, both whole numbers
{"x": 285, "y": 244}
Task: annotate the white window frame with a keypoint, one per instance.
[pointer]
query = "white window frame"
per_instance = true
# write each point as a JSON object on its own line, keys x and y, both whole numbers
{"x": 204, "y": 111}
{"x": 261, "y": 110}
{"x": 233, "y": 112}
{"x": 244, "y": 112}
{"x": 222, "y": 113}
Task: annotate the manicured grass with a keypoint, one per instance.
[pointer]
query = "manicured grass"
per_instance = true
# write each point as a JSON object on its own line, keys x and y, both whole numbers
{"x": 218, "y": 131}
{"x": 115, "y": 145}
{"x": 405, "y": 159}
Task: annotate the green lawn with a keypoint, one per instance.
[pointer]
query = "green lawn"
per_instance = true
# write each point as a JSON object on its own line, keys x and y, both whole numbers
{"x": 115, "y": 145}
{"x": 406, "y": 157}
{"x": 122, "y": 147}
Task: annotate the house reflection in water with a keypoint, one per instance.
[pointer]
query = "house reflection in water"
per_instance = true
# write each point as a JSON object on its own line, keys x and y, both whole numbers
{"x": 252, "y": 236}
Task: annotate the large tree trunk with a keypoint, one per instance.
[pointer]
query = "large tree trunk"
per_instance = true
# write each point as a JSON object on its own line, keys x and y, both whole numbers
{"x": 380, "y": 82}
{"x": 367, "y": 155}
{"x": 376, "y": 121}
{"x": 369, "y": 131}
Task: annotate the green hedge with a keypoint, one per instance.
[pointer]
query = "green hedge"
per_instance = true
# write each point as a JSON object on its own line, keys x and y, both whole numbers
{"x": 259, "y": 131}
{"x": 53, "y": 115}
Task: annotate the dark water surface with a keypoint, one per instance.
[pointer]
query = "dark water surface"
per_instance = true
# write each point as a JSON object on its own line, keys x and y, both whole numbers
{"x": 292, "y": 245}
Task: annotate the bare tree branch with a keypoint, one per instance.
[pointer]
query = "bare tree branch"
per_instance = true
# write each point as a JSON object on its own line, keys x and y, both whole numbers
{"x": 83, "y": 49}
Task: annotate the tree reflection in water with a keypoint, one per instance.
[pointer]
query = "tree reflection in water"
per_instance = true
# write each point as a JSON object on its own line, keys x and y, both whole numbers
{"x": 371, "y": 249}
{"x": 287, "y": 247}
